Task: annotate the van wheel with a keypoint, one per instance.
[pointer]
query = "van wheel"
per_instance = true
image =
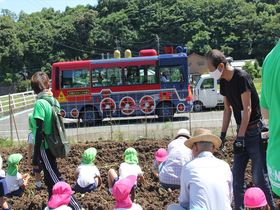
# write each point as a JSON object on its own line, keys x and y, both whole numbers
{"x": 165, "y": 111}
{"x": 197, "y": 106}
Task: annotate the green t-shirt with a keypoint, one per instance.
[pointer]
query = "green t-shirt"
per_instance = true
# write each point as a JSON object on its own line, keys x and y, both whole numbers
{"x": 270, "y": 100}
{"x": 43, "y": 111}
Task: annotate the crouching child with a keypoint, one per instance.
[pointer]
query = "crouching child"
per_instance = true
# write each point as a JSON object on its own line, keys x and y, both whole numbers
{"x": 16, "y": 182}
{"x": 87, "y": 174}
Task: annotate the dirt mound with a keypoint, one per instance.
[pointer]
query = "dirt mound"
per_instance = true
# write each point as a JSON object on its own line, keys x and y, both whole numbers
{"x": 110, "y": 155}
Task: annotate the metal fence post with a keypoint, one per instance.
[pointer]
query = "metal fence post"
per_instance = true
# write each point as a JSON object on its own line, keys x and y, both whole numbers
{"x": 24, "y": 99}
{"x": 15, "y": 125}
{"x": 13, "y": 101}
{"x": 146, "y": 129}
{"x": 190, "y": 122}
{"x": 111, "y": 127}
{"x": 11, "y": 122}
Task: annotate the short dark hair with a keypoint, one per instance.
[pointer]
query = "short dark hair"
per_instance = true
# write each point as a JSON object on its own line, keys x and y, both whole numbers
{"x": 40, "y": 81}
{"x": 216, "y": 57}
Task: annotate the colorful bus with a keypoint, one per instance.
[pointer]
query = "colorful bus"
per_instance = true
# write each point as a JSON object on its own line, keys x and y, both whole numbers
{"x": 151, "y": 84}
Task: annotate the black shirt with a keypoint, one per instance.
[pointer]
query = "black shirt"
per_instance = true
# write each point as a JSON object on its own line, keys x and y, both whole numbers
{"x": 241, "y": 82}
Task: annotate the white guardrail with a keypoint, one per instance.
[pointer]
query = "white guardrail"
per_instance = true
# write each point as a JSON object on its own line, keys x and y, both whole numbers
{"x": 16, "y": 101}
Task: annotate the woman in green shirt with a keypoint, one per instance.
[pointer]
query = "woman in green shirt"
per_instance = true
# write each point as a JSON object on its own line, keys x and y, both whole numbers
{"x": 43, "y": 116}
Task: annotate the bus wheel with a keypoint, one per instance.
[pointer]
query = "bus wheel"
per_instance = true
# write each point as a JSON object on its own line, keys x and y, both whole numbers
{"x": 88, "y": 117}
{"x": 197, "y": 106}
{"x": 165, "y": 111}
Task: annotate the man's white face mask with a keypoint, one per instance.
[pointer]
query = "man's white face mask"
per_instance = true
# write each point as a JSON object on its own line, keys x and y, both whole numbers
{"x": 216, "y": 74}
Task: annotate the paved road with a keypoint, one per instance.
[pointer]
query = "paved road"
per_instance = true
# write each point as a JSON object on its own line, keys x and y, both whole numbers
{"x": 134, "y": 128}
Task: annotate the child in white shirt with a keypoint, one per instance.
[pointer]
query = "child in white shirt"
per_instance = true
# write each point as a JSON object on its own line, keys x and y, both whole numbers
{"x": 16, "y": 182}
{"x": 3, "y": 188}
{"x": 87, "y": 174}
{"x": 127, "y": 168}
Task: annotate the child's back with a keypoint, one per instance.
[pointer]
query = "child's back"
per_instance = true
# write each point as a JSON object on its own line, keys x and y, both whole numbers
{"x": 14, "y": 182}
{"x": 87, "y": 174}
{"x": 127, "y": 169}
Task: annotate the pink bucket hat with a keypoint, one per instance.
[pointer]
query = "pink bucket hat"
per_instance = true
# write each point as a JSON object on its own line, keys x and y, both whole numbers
{"x": 121, "y": 192}
{"x": 61, "y": 195}
{"x": 161, "y": 155}
{"x": 254, "y": 198}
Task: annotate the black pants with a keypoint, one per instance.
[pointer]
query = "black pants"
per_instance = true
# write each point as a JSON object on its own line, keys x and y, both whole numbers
{"x": 52, "y": 175}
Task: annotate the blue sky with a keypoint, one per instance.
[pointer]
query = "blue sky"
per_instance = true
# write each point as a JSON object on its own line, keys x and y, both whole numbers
{"x": 30, "y": 6}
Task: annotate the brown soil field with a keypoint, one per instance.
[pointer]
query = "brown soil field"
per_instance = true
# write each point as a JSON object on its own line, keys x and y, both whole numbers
{"x": 109, "y": 155}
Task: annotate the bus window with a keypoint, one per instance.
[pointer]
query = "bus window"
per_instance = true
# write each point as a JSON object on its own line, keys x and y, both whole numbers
{"x": 147, "y": 75}
{"x": 171, "y": 74}
{"x": 75, "y": 79}
{"x": 151, "y": 73}
{"x": 133, "y": 75}
{"x": 106, "y": 77}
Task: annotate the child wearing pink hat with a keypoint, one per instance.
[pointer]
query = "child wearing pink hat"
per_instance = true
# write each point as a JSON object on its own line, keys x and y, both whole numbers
{"x": 254, "y": 199}
{"x": 61, "y": 196}
{"x": 160, "y": 158}
{"x": 121, "y": 192}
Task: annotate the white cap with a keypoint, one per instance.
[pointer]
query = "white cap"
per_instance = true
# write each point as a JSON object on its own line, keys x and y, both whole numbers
{"x": 183, "y": 132}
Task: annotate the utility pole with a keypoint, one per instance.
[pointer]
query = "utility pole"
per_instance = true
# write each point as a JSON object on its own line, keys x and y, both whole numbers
{"x": 157, "y": 43}
{"x": 117, "y": 44}
{"x": 25, "y": 76}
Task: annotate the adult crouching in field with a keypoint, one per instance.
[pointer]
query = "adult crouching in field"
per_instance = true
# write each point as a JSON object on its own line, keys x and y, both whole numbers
{"x": 206, "y": 181}
{"x": 178, "y": 155}
{"x": 240, "y": 95}
{"x": 43, "y": 116}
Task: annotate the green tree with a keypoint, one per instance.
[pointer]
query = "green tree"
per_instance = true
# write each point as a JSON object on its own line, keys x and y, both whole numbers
{"x": 253, "y": 69}
{"x": 11, "y": 49}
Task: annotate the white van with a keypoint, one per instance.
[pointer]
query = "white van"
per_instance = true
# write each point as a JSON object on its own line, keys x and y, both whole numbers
{"x": 206, "y": 93}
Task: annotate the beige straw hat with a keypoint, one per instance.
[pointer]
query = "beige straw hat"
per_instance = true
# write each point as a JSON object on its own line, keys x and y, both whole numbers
{"x": 203, "y": 135}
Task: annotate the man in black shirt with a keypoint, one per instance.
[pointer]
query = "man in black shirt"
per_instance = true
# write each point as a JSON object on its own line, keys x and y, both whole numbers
{"x": 240, "y": 96}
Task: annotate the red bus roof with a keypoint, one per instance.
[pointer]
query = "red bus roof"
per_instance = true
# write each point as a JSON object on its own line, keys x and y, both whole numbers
{"x": 104, "y": 63}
